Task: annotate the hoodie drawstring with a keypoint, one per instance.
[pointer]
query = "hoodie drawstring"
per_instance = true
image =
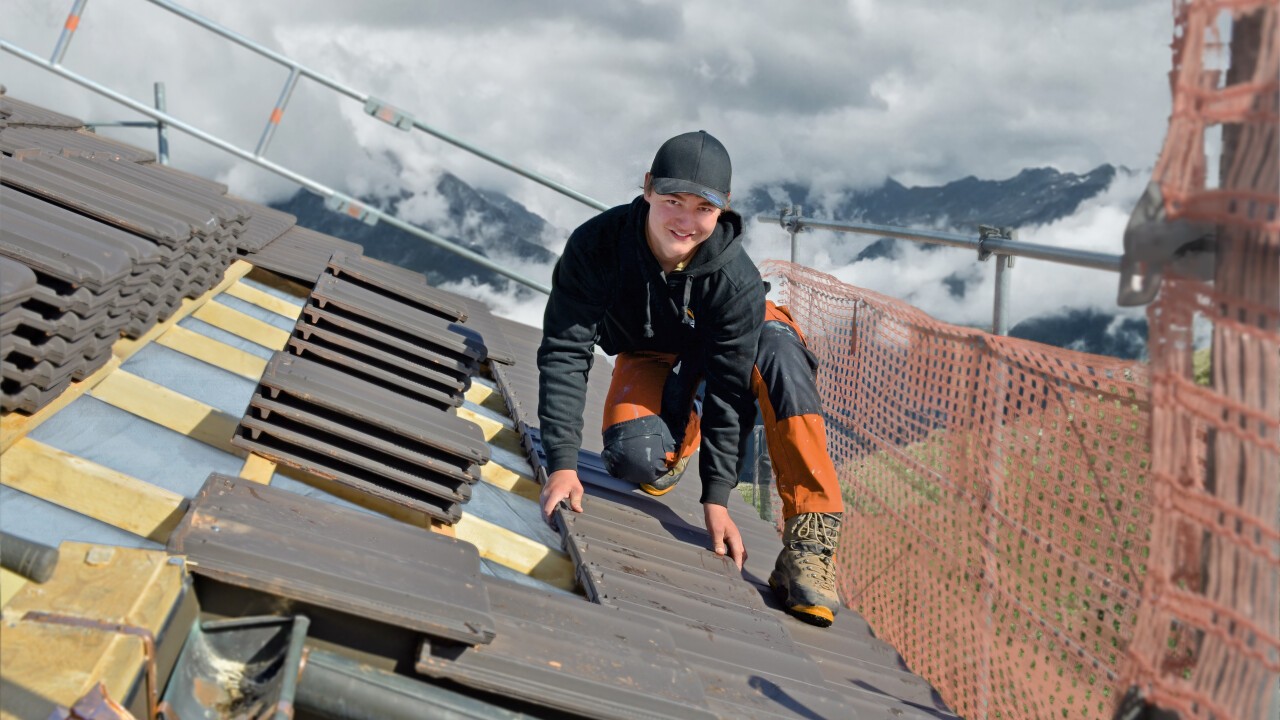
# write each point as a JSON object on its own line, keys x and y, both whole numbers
{"x": 686, "y": 317}
{"x": 648, "y": 310}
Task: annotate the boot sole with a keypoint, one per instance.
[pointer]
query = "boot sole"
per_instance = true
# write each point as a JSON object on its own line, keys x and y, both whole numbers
{"x": 657, "y": 492}
{"x": 812, "y": 614}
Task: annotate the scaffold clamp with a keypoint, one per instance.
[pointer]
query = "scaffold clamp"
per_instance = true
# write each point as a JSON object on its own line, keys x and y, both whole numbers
{"x": 388, "y": 113}
{"x": 992, "y": 232}
{"x": 790, "y": 220}
{"x": 344, "y": 205}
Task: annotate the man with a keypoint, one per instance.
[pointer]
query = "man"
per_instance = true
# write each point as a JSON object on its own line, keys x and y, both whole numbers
{"x": 664, "y": 284}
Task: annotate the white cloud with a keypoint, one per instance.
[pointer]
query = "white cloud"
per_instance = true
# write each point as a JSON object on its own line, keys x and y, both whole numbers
{"x": 836, "y": 95}
{"x": 584, "y": 92}
{"x": 917, "y": 273}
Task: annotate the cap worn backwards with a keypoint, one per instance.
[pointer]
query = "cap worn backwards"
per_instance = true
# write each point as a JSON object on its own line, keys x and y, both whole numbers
{"x": 694, "y": 162}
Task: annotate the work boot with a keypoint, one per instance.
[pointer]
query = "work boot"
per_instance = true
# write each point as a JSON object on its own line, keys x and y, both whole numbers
{"x": 668, "y": 480}
{"x": 804, "y": 578}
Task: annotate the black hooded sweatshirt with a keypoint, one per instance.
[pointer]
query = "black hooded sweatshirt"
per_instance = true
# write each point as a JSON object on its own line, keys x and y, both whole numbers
{"x": 608, "y": 289}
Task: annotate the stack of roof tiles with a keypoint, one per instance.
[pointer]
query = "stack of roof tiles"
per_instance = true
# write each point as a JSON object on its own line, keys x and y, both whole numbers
{"x": 113, "y": 241}
{"x": 362, "y": 392}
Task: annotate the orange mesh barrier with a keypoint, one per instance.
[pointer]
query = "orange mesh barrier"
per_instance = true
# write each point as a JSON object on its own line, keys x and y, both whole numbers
{"x": 1037, "y": 530}
{"x": 1207, "y": 641}
{"x": 998, "y": 499}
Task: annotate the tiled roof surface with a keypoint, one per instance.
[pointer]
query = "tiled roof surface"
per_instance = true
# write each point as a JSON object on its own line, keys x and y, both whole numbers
{"x": 372, "y": 392}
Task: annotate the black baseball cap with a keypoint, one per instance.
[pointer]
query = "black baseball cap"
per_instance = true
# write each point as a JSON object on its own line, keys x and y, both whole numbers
{"x": 694, "y": 163}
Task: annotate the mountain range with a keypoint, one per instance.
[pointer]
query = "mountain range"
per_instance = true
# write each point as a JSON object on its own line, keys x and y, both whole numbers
{"x": 498, "y": 227}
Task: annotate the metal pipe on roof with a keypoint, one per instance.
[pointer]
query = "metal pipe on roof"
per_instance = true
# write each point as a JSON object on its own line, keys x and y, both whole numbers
{"x": 123, "y": 123}
{"x": 68, "y": 29}
{"x": 1015, "y": 248}
{"x": 324, "y": 80}
{"x": 262, "y": 50}
{"x": 277, "y": 113}
{"x": 334, "y": 686}
{"x": 562, "y": 189}
{"x": 162, "y": 135}
{"x": 1000, "y": 313}
{"x": 302, "y": 180}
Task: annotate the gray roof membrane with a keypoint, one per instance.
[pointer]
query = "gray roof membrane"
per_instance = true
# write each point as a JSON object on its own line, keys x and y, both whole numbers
{"x": 56, "y": 140}
{"x": 260, "y": 537}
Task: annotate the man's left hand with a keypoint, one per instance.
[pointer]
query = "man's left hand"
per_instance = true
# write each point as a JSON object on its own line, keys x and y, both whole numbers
{"x": 725, "y": 538}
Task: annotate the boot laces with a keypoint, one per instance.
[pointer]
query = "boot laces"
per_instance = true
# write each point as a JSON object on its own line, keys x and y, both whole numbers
{"x": 816, "y": 546}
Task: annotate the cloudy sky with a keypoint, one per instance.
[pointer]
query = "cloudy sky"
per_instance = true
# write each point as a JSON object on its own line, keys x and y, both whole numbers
{"x": 840, "y": 94}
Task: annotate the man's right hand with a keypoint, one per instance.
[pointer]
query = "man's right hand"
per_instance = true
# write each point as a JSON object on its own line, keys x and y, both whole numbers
{"x": 561, "y": 485}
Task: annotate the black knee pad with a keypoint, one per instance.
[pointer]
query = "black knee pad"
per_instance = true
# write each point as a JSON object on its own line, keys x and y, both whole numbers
{"x": 788, "y": 370}
{"x": 636, "y": 450}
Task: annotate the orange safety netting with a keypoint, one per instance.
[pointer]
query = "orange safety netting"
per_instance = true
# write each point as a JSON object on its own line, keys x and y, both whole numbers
{"x": 1207, "y": 641}
{"x": 998, "y": 499}
{"x": 1038, "y": 530}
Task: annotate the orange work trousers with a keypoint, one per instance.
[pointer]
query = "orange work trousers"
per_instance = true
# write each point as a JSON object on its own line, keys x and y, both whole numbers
{"x": 640, "y": 447}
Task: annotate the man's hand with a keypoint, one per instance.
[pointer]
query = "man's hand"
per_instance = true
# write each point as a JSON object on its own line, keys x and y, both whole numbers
{"x": 562, "y": 485}
{"x": 725, "y": 538}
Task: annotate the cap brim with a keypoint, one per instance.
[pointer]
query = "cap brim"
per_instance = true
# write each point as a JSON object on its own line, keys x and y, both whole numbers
{"x": 670, "y": 186}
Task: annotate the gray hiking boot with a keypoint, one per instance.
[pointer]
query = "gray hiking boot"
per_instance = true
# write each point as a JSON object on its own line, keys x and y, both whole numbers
{"x": 804, "y": 578}
{"x": 666, "y": 482}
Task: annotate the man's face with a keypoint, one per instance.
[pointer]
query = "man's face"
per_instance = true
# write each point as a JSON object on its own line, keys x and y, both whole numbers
{"x": 678, "y": 224}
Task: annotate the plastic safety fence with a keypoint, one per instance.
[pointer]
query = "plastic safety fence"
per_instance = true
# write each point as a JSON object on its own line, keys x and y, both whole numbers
{"x": 998, "y": 499}
{"x": 1207, "y": 640}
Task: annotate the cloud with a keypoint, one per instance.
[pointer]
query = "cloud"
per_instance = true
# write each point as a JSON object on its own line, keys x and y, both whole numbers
{"x": 918, "y": 274}
{"x": 584, "y": 92}
{"x": 839, "y": 95}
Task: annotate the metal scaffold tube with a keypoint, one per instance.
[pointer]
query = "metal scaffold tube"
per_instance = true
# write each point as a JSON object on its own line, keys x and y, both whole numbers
{"x": 990, "y": 241}
{"x": 284, "y": 172}
{"x": 299, "y": 70}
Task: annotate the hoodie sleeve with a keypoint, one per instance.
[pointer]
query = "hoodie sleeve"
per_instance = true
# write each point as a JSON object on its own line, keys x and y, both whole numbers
{"x": 570, "y": 327}
{"x": 729, "y": 407}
